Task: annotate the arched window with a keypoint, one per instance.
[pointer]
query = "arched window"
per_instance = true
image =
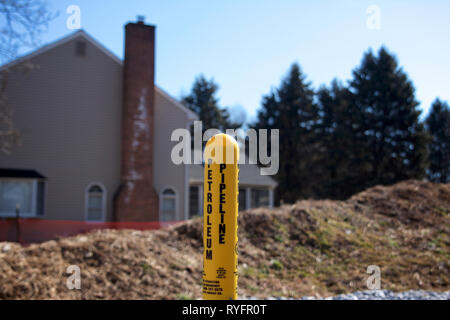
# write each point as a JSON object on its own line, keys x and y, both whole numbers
{"x": 95, "y": 202}
{"x": 168, "y": 208}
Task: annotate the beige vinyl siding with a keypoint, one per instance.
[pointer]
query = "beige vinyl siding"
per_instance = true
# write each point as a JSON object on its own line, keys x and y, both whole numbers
{"x": 68, "y": 111}
{"x": 168, "y": 117}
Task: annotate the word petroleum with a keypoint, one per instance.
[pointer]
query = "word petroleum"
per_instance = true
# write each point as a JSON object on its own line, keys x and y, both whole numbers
{"x": 257, "y": 141}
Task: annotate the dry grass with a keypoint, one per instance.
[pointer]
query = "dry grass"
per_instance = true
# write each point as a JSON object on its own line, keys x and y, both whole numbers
{"x": 309, "y": 248}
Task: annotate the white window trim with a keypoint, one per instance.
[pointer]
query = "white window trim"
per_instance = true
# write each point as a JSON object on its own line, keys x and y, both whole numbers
{"x": 161, "y": 196}
{"x": 33, "y": 213}
{"x": 86, "y": 201}
{"x": 248, "y": 198}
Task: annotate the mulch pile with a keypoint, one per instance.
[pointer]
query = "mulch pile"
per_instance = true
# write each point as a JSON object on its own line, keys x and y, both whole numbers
{"x": 309, "y": 248}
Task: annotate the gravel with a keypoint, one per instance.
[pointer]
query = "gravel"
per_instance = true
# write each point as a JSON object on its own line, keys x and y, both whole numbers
{"x": 374, "y": 295}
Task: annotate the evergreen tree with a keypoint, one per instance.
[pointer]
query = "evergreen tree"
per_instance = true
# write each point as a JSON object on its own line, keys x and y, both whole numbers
{"x": 340, "y": 150}
{"x": 291, "y": 109}
{"x": 438, "y": 127}
{"x": 395, "y": 141}
{"x": 203, "y": 101}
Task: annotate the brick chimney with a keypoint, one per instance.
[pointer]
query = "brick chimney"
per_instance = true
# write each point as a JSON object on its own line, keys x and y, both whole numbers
{"x": 136, "y": 199}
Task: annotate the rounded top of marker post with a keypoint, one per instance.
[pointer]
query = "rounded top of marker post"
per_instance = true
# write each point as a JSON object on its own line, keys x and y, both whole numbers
{"x": 222, "y": 140}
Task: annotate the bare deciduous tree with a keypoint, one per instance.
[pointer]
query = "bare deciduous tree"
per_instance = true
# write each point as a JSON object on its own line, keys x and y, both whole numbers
{"x": 21, "y": 24}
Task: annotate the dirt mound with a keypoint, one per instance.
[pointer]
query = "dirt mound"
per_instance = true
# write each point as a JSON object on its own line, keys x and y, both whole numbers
{"x": 415, "y": 203}
{"x": 309, "y": 248}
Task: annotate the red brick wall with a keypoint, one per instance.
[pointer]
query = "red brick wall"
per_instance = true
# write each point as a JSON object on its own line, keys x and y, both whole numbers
{"x": 136, "y": 199}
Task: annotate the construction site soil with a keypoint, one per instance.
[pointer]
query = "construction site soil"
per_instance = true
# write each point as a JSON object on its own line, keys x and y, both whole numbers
{"x": 310, "y": 248}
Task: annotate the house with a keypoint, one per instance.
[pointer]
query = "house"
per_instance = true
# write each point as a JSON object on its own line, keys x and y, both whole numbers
{"x": 95, "y": 134}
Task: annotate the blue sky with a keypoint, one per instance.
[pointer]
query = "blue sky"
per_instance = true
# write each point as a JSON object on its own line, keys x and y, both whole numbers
{"x": 248, "y": 45}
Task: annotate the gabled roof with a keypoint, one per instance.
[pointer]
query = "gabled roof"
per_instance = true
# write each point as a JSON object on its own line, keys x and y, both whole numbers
{"x": 191, "y": 114}
{"x": 74, "y": 35}
{"x": 84, "y": 35}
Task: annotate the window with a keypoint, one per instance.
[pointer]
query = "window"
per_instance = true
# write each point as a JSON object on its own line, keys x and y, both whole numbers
{"x": 24, "y": 195}
{"x": 242, "y": 199}
{"x": 260, "y": 198}
{"x": 168, "y": 205}
{"x": 40, "y": 198}
{"x": 194, "y": 198}
{"x": 95, "y": 202}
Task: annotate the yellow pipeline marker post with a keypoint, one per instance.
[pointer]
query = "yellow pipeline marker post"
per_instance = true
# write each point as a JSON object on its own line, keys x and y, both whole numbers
{"x": 220, "y": 209}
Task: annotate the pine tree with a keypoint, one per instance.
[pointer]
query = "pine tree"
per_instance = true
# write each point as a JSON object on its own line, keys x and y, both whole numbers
{"x": 203, "y": 101}
{"x": 438, "y": 127}
{"x": 340, "y": 151}
{"x": 395, "y": 140}
{"x": 291, "y": 109}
